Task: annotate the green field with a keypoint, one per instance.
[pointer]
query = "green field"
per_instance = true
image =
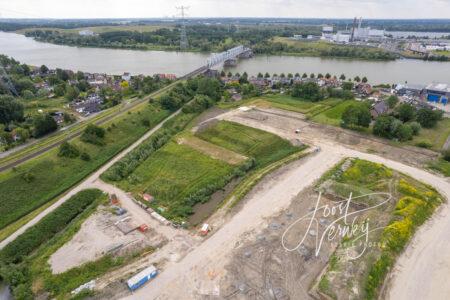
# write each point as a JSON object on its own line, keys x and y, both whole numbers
{"x": 333, "y": 115}
{"x": 30, "y": 275}
{"x": 435, "y": 136}
{"x": 287, "y": 102}
{"x": 173, "y": 173}
{"x": 46, "y": 105}
{"x": 264, "y": 147}
{"x": 38, "y": 181}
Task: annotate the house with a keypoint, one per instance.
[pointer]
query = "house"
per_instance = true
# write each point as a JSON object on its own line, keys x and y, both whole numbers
{"x": 438, "y": 92}
{"x": 126, "y": 76}
{"x": 378, "y": 109}
{"x": 409, "y": 89}
{"x": 364, "y": 89}
{"x": 86, "y": 32}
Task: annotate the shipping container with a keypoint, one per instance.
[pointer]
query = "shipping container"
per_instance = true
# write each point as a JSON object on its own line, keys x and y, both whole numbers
{"x": 142, "y": 277}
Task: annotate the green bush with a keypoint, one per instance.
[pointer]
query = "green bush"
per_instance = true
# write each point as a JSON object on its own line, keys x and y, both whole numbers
{"x": 68, "y": 150}
{"x": 424, "y": 144}
{"x": 45, "y": 229}
{"x": 93, "y": 135}
{"x": 446, "y": 155}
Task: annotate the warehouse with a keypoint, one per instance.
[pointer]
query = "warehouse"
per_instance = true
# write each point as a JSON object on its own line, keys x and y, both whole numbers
{"x": 438, "y": 92}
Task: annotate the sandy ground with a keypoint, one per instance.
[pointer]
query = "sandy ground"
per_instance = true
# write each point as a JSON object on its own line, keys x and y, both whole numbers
{"x": 99, "y": 236}
{"x": 200, "y": 272}
{"x": 86, "y": 184}
{"x": 191, "y": 269}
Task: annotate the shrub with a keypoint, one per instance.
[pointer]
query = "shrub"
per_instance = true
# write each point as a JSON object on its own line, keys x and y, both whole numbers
{"x": 424, "y": 144}
{"x": 85, "y": 156}
{"x": 415, "y": 127}
{"x": 428, "y": 117}
{"x": 93, "y": 135}
{"x": 68, "y": 150}
{"x": 446, "y": 154}
{"x": 45, "y": 229}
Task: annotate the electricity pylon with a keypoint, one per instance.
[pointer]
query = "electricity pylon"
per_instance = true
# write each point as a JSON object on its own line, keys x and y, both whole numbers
{"x": 184, "y": 44}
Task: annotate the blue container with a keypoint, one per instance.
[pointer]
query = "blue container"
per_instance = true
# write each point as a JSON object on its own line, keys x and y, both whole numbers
{"x": 142, "y": 277}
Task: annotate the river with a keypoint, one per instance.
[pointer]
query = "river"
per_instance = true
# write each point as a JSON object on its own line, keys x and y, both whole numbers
{"x": 114, "y": 61}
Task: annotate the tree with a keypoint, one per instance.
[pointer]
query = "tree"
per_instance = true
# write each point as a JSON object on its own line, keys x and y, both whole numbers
{"x": 328, "y": 76}
{"x": 404, "y": 132}
{"x": 71, "y": 93}
{"x": 320, "y": 76}
{"x": 170, "y": 102}
{"x": 229, "y": 75}
{"x": 357, "y": 79}
{"x": 282, "y": 75}
{"x": 304, "y": 75}
{"x": 312, "y": 76}
{"x": 364, "y": 79}
{"x": 428, "y": 118}
{"x": 382, "y": 126}
{"x": 68, "y": 150}
{"x": 222, "y": 73}
{"x": 267, "y": 75}
{"x": 27, "y": 94}
{"x": 44, "y": 124}
{"x": 342, "y": 77}
{"x": 308, "y": 91}
{"x": 392, "y": 101}
{"x": 260, "y": 75}
{"x": 415, "y": 127}
{"x": 406, "y": 112}
{"x": 297, "y": 75}
{"x": 356, "y": 115}
{"x": 347, "y": 86}
{"x": 93, "y": 134}
{"x": 43, "y": 69}
{"x": 80, "y": 75}
{"x": 10, "y": 110}
{"x": 290, "y": 76}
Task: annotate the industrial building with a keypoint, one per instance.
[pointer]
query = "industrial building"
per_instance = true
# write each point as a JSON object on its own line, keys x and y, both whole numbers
{"x": 356, "y": 33}
{"x": 438, "y": 92}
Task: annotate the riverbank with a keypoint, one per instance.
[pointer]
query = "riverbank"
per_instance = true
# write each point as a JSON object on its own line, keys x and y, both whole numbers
{"x": 115, "y": 61}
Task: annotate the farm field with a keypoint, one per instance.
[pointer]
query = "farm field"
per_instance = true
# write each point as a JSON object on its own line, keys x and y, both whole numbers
{"x": 38, "y": 181}
{"x": 174, "y": 173}
{"x": 264, "y": 147}
{"x": 333, "y": 115}
{"x": 287, "y": 102}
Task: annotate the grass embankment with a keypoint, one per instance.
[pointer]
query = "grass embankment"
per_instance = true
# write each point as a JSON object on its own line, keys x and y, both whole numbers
{"x": 412, "y": 204}
{"x": 435, "y": 137}
{"x": 264, "y": 147}
{"x": 40, "y": 180}
{"x": 327, "y": 49}
{"x": 333, "y": 116}
{"x": 28, "y": 271}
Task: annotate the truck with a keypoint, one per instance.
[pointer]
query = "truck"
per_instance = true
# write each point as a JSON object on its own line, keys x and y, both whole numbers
{"x": 142, "y": 277}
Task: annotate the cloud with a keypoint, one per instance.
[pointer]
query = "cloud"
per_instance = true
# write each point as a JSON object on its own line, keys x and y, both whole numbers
{"x": 226, "y": 8}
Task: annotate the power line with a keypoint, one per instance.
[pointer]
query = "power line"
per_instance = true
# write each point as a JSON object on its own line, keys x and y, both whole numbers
{"x": 184, "y": 43}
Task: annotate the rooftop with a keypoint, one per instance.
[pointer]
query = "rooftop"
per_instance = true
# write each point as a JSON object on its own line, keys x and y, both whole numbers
{"x": 441, "y": 87}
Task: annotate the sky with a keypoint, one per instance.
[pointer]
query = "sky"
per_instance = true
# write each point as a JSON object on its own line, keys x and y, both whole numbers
{"x": 406, "y": 9}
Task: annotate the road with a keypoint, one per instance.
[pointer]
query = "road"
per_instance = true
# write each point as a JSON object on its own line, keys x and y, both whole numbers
{"x": 421, "y": 272}
{"x": 78, "y": 132}
{"x": 90, "y": 182}
{"x": 184, "y": 279}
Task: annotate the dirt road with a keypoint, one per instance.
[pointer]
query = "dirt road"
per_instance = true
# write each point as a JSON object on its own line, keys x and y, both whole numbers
{"x": 90, "y": 182}
{"x": 186, "y": 279}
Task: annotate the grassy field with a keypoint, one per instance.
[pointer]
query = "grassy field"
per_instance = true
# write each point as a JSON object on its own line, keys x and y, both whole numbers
{"x": 264, "y": 147}
{"x": 441, "y": 166}
{"x": 46, "y": 105}
{"x": 287, "y": 102}
{"x": 102, "y": 29}
{"x": 173, "y": 173}
{"x": 314, "y": 48}
{"x": 333, "y": 115}
{"x": 434, "y": 136}
{"x": 40, "y": 180}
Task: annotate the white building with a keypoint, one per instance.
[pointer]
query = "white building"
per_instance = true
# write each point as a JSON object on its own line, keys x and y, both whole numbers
{"x": 86, "y": 32}
{"x": 327, "y": 32}
{"x": 342, "y": 37}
